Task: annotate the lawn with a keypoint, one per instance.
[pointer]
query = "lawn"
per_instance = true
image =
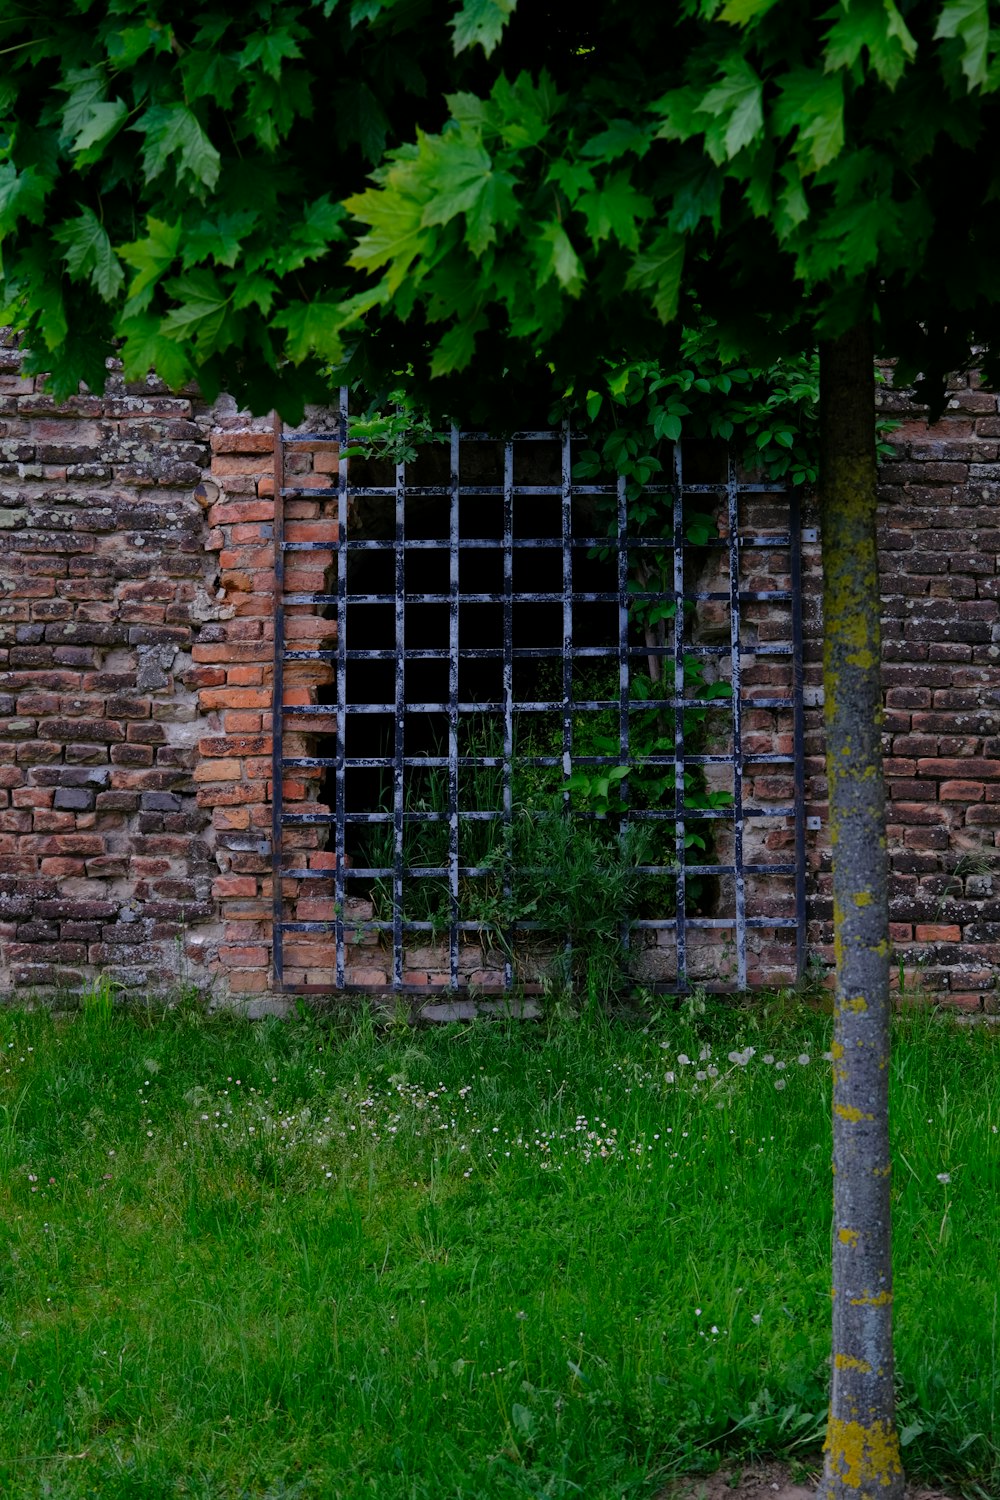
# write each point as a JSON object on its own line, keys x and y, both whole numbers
{"x": 320, "y": 1258}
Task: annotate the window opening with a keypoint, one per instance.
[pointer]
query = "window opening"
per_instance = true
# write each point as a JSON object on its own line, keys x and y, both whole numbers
{"x": 487, "y": 674}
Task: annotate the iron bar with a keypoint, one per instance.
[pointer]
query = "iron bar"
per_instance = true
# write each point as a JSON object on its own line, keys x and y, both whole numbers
{"x": 524, "y": 639}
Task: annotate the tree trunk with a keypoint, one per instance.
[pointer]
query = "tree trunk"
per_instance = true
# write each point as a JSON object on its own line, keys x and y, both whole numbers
{"x": 862, "y": 1446}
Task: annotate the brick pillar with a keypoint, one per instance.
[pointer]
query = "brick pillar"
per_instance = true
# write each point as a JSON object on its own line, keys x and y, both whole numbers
{"x": 235, "y": 666}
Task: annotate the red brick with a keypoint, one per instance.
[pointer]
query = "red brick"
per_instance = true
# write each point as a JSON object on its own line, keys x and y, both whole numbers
{"x": 235, "y": 744}
{"x": 961, "y": 791}
{"x": 249, "y": 982}
{"x": 242, "y": 442}
{"x": 217, "y": 770}
{"x": 235, "y": 651}
{"x": 240, "y": 510}
{"x": 229, "y": 818}
{"x": 934, "y": 932}
{"x": 234, "y": 697}
{"x": 226, "y": 887}
{"x": 245, "y": 958}
{"x": 961, "y": 766}
{"x": 61, "y": 867}
{"x": 247, "y": 676}
{"x": 235, "y": 465}
{"x": 312, "y": 531}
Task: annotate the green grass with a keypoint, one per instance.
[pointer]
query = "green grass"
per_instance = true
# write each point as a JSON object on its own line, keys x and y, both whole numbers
{"x": 317, "y": 1259}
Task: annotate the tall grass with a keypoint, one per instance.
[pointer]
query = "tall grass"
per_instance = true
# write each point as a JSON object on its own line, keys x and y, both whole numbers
{"x": 323, "y": 1259}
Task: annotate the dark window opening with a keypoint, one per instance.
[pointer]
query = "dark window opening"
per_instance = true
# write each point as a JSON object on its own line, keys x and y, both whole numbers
{"x": 520, "y": 664}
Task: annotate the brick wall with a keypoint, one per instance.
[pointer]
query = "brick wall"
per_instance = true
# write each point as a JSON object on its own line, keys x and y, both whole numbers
{"x": 136, "y": 643}
{"x": 105, "y": 588}
{"x": 939, "y": 548}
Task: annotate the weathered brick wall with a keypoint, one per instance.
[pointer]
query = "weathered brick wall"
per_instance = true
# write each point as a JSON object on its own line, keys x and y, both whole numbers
{"x": 105, "y": 589}
{"x": 939, "y": 548}
{"x": 136, "y": 642}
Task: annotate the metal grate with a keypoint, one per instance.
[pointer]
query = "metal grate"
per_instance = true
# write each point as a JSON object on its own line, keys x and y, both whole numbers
{"x": 427, "y": 703}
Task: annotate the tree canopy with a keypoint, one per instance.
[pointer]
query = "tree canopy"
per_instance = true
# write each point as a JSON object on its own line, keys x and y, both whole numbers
{"x": 184, "y": 184}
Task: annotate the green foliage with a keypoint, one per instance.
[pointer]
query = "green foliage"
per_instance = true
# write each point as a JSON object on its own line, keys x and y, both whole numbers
{"x": 88, "y": 254}
{"x": 207, "y": 150}
{"x": 803, "y": 173}
{"x": 394, "y": 434}
{"x": 546, "y": 206}
{"x": 769, "y": 416}
{"x": 480, "y": 23}
{"x": 569, "y": 861}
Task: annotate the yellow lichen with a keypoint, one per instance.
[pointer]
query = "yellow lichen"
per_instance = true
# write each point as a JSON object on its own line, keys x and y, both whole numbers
{"x": 849, "y": 1362}
{"x": 848, "y": 1237}
{"x": 851, "y": 1113}
{"x": 880, "y": 1299}
{"x": 863, "y": 898}
{"x": 865, "y": 1457}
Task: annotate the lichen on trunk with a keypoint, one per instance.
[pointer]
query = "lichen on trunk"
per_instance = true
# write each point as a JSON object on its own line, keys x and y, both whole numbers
{"x": 862, "y": 1446}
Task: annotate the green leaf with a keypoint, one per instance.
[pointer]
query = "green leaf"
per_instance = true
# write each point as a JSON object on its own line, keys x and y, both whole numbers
{"x": 522, "y": 111}
{"x": 559, "y": 259}
{"x": 362, "y": 118}
{"x": 737, "y": 100}
{"x": 875, "y": 25}
{"x": 594, "y": 402}
{"x": 812, "y": 103}
{"x": 125, "y": 46}
{"x": 969, "y": 21}
{"x": 666, "y": 425}
{"x": 396, "y": 233}
{"x": 219, "y": 239}
{"x": 620, "y": 137}
{"x": 451, "y": 174}
{"x": 365, "y": 10}
{"x": 616, "y": 208}
{"x": 86, "y": 88}
{"x": 739, "y": 12}
{"x": 145, "y": 348}
{"x": 151, "y": 258}
{"x": 457, "y": 170}
{"x": 658, "y": 270}
{"x": 698, "y": 196}
{"x": 480, "y": 23}
{"x": 202, "y": 313}
{"x": 88, "y": 254}
{"x": 792, "y": 206}
{"x": 313, "y": 328}
{"x": 571, "y": 177}
{"x": 103, "y": 122}
{"x": 254, "y": 291}
{"x": 496, "y": 204}
{"x": 270, "y": 48}
{"x": 172, "y": 130}
{"x": 210, "y": 73}
{"x": 456, "y": 349}
{"x": 22, "y": 195}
